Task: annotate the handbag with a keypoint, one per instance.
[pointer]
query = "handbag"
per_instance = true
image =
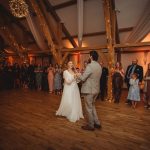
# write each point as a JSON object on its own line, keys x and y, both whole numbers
{"x": 142, "y": 85}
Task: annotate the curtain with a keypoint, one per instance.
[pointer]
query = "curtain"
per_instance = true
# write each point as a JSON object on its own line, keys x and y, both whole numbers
{"x": 143, "y": 26}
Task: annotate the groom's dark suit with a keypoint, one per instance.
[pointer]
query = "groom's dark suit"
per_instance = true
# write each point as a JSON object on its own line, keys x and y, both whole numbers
{"x": 90, "y": 89}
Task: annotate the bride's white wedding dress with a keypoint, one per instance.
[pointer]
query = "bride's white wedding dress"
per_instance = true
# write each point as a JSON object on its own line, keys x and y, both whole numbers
{"x": 70, "y": 105}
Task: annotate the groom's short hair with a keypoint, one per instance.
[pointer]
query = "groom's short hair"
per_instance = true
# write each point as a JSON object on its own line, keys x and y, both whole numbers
{"x": 94, "y": 55}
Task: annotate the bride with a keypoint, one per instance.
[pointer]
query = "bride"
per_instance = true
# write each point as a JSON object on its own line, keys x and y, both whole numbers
{"x": 70, "y": 105}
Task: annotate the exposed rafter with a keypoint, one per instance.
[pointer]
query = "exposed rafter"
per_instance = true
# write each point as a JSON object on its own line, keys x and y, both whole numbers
{"x": 78, "y": 49}
{"x": 65, "y": 4}
{"x": 102, "y": 33}
{"x": 140, "y": 44}
{"x": 50, "y": 9}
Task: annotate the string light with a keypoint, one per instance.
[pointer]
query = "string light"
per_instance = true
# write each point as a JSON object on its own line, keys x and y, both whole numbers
{"x": 19, "y": 8}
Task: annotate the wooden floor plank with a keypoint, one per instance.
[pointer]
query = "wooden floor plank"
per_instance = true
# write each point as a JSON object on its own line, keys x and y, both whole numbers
{"x": 28, "y": 122}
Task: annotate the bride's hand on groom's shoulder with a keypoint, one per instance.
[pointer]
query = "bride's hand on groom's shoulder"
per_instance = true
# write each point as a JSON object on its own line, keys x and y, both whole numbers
{"x": 77, "y": 75}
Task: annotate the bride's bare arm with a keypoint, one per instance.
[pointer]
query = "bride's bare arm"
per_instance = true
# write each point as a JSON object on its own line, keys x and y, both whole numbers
{"x": 67, "y": 79}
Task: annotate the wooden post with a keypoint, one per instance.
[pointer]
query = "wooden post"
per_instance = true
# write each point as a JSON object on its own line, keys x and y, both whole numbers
{"x": 109, "y": 34}
{"x": 115, "y": 30}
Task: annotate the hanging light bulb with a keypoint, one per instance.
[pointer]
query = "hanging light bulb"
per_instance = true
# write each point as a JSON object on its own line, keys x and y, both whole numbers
{"x": 19, "y": 8}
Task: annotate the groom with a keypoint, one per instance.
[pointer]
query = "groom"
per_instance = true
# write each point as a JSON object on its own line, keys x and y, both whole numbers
{"x": 90, "y": 89}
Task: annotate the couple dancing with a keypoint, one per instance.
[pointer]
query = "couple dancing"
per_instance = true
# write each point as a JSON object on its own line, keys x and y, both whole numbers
{"x": 70, "y": 105}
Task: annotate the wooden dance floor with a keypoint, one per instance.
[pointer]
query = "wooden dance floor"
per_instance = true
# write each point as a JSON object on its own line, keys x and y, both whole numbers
{"x": 28, "y": 122}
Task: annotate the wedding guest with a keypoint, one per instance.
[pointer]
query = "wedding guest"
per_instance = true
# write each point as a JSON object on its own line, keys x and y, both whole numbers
{"x": 103, "y": 82}
{"x": 50, "y": 71}
{"x": 134, "y": 91}
{"x": 133, "y": 68}
{"x": 147, "y": 87}
{"x": 16, "y": 70}
{"x": 24, "y": 76}
{"x": 1, "y": 77}
{"x": 31, "y": 73}
{"x": 38, "y": 72}
{"x": 45, "y": 78}
{"x": 117, "y": 81}
{"x": 57, "y": 80}
{"x": 9, "y": 76}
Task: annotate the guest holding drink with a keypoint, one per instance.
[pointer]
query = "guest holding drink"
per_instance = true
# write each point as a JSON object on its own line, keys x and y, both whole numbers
{"x": 117, "y": 81}
{"x": 50, "y": 71}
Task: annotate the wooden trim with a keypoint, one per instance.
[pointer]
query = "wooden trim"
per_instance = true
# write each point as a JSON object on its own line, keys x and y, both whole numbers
{"x": 101, "y": 33}
{"x": 83, "y": 48}
{"x": 65, "y": 4}
{"x": 134, "y": 51}
{"x": 50, "y": 9}
{"x": 141, "y": 44}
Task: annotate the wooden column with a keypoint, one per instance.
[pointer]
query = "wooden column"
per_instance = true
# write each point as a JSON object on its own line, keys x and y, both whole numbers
{"x": 110, "y": 38}
{"x": 115, "y": 30}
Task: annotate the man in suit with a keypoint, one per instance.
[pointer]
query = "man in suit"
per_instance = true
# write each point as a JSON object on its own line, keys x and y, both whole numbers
{"x": 90, "y": 89}
{"x": 133, "y": 68}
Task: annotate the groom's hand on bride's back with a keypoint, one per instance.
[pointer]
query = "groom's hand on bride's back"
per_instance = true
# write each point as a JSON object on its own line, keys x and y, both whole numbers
{"x": 78, "y": 75}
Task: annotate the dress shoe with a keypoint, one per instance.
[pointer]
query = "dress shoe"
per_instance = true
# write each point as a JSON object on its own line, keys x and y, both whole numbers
{"x": 87, "y": 128}
{"x": 97, "y": 126}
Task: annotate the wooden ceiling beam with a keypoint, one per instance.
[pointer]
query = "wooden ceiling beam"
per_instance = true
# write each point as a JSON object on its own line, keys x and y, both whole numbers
{"x": 65, "y": 4}
{"x": 50, "y": 9}
{"x": 121, "y": 30}
{"x": 127, "y": 45}
{"x": 80, "y": 49}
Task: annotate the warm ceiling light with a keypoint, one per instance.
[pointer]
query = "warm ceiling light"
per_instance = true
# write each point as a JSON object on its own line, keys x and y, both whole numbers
{"x": 146, "y": 38}
{"x": 19, "y": 8}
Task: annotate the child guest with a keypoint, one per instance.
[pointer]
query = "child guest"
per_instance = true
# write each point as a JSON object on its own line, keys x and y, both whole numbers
{"x": 134, "y": 91}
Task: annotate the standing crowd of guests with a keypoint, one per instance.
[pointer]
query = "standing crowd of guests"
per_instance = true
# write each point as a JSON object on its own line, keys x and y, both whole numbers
{"x": 136, "y": 83}
{"x": 50, "y": 78}
{"x": 47, "y": 77}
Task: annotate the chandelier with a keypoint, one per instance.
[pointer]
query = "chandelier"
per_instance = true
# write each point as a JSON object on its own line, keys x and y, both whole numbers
{"x": 19, "y": 8}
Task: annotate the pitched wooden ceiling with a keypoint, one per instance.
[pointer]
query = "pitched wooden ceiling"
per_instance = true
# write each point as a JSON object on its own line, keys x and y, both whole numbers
{"x": 129, "y": 13}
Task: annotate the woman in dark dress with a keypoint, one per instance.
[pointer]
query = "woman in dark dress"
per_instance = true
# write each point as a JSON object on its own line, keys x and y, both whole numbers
{"x": 16, "y": 70}
{"x": 38, "y": 72}
{"x": 24, "y": 76}
{"x": 44, "y": 78}
{"x": 117, "y": 81}
{"x": 9, "y": 77}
